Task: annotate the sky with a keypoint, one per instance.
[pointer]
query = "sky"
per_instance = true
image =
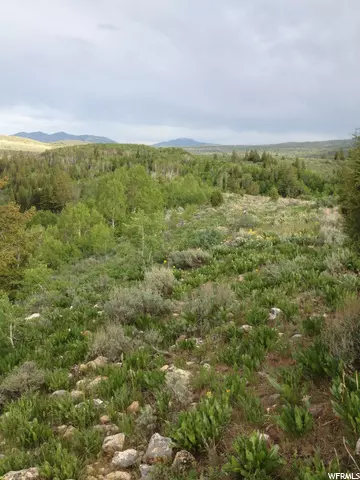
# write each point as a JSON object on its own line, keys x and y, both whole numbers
{"x": 219, "y": 71}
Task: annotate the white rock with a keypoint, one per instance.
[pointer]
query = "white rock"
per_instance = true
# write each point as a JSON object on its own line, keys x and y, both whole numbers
{"x": 246, "y": 328}
{"x": 34, "y": 315}
{"x": 114, "y": 443}
{"x": 125, "y": 459}
{"x": 145, "y": 471}
{"x": 118, "y": 476}
{"x": 159, "y": 450}
{"x": 357, "y": 448}
{"x": 60, "y": 393}
{"x": 27, "y": 474}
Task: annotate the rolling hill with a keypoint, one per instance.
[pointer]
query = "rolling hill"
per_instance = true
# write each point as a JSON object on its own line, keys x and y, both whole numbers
{"x": 62, "y": 136}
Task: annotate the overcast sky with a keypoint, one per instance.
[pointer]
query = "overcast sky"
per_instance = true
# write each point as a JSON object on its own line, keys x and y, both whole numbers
{"x": 222, "y": 71}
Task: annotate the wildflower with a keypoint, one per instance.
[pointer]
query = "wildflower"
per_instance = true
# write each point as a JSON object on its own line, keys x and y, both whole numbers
{"x": 208, "y": 394}
{"x": 165, "y": 261}
{"x": 228, "y": 390}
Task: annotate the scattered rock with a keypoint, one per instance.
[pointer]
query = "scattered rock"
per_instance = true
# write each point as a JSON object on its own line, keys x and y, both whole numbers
{"x": 274, "y": 313}
{"x": 31, "y": 317}
{"x": 118, "y": 476}
{"x": 69, "y": 432}
{"x": 246, "y": 328}
{"x": 27, "y": 474}
{"x": 181, "y": 338}
{"x": 77, "y": 395}
{"x": 183, "y": 462}
{"x": 145, "y": 471}
{"x": 81, "y": 384}
{"x": 104, "y": 419}
{"x": 207, "y": 366}
{"x": 108, "y": 429}
{"x": 159, "y": 450}
{"x": 190, "y": 364}
{"x": 98, "y": 402}
{"x": 296, "y": 336}
{"x": 95, "y": 364}
{"x": 60, "y": 393}
{"x": 96, "y": 382}
{"x": 113, "y": 443}
{"x": 164, "y": 368}
{"x": 178, "y": 382}
{"x": 133, "y": 408}
{"x": 357, "y": 448}
{"x": 125, "y": 459}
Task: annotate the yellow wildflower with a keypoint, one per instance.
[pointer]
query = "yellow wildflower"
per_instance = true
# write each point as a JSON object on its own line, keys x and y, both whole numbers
{"x": 165, "y": 261}
{"x": 209, "y": 394}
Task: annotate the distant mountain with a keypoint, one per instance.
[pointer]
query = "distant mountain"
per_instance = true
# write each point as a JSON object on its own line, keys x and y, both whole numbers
{"x": 182, "y": 142}
{"x": 62, "y": 136}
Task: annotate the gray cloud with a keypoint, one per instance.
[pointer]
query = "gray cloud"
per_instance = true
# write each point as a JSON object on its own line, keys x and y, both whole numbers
{"x": 224, "y": 71}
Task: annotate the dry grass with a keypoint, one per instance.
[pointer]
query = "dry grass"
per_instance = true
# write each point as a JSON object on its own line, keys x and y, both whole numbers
{"x": 16, "y": 144}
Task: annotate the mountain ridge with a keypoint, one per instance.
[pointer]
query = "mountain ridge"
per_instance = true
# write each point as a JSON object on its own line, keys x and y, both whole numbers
{"x": 182, "y": 142}
{"x": 62, "y": 136}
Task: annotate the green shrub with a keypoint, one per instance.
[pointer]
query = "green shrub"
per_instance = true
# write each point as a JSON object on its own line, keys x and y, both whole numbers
{"x": 204, "y": 239}
{"x": 112, "y": 342}
{"x": 57, "y": 380}
{"x": 350, "y": 195}
{"x": 208, "y": 302}
{"x": 295, "y": 420}
{"x": 161, "y": 280}
{"x": 216, "y": 198}
{"x": 127, "y": 304}
{"x": 317, "y": 361}
{"x": 312, "y": 326}
{"x": 345, "y": 391}
{"x": 315, "y": 469}
{"x": 290, "y": 387}
{"x": 274, "y": 194}
{"x": 24, "y": 425}
{"x": 252, "y": 408}
{"x": 342, "y": 335}
{"x": 253, "y": 459}
{"x": 192, "y": 258}
{"x": 59, "y": 463}
{"x": 27, "y": 377}
{"x": 202, "y": 427}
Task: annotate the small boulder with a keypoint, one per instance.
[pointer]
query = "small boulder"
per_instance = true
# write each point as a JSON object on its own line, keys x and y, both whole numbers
{"x": 246, "y": 328}
{"x": 145, "y": 471}
{"x": 125, "y": 459}
{"x": 107, "y": 429}
{"x": 81, "y": 384}
{"x": 133, "y": 408}
{"x": 183, "y": 462}
{"x": 77, "y": 395}
{"x": 60, "y": 393}
{"x": 357, "y": 448}
{"x": 26, "y": 474}
{"x": 96, "y": 382}
{"x": 104, "y": 419}
{"x": 296, "y": 336}
{"x": 118, "y": 476}
{"x": 113, "y": 443}
{"x": 159, "y": 450}
{"x": 69, "y": 433}
{"x": 164, "y": 368}
{"x": 33, "y": 316}
{"x": 98, "y": 403}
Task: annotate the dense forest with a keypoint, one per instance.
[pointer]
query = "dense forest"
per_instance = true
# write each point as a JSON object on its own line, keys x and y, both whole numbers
{"x": 202, "y": 307}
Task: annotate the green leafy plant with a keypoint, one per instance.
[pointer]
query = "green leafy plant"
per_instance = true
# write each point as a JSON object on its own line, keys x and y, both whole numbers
{"x": 317, "y": 361}
{"x": 345, "y": 391}
{"x": 295, "y": 420}
{"x": 315, "y": 468}
{"x": 253, "y": 459}
{"x": 202, "y": 427}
